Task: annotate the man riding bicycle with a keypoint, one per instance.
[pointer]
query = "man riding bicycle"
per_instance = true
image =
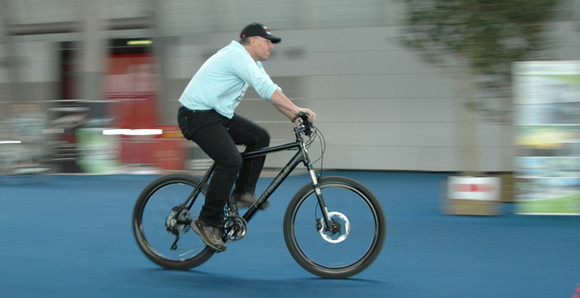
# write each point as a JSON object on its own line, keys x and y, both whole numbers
{"x": 207, "y": 117}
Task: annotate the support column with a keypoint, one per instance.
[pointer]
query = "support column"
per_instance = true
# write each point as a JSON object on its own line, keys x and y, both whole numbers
{"x": 92, "y": 53}
{"x": 159, "y": 51}
{"x": 11, "y": 61}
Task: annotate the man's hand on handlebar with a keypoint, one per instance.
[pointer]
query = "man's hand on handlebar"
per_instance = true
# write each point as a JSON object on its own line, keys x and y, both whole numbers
{"x": 304, "y": 115}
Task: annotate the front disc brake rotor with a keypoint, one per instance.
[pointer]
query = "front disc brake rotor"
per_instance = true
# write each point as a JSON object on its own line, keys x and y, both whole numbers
{"x": 343, "y": 228}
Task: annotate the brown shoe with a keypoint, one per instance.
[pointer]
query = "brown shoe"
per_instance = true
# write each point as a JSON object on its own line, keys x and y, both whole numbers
{"x": 248, "y": 199}
{"x": 210, "y": 235}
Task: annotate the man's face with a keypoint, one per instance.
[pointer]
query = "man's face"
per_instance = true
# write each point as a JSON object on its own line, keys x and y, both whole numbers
{"x": 261, "y": 48}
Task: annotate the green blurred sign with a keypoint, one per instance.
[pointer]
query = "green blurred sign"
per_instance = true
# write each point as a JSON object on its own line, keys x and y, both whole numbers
{"x": 547, "y": 135}
{"x": 97, "y": 152}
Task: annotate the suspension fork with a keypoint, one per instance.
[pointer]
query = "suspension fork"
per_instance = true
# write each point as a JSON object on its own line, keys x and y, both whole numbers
{"x": 330, "y": 225}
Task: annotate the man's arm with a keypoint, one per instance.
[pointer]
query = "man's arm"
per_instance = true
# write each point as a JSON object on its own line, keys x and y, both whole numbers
{"x": 288, "y": 108}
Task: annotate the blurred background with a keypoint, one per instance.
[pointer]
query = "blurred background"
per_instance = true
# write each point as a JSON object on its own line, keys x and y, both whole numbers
{"x": 93, "y": 85}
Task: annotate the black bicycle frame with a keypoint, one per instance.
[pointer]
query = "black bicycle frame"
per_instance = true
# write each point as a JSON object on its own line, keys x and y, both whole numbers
{"x": 300, "y": 156}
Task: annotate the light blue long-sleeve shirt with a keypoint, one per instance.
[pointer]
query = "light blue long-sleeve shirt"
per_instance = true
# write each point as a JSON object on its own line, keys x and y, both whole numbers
{"x": 221, "y": 82}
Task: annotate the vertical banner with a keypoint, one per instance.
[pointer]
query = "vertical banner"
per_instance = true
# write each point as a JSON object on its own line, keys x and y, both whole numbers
{"x": 547, "y": 137}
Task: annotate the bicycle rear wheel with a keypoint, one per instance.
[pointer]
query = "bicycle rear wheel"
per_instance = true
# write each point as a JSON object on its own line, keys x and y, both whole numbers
{"x": 161, "y": 227}
{"x": 358, "y": 239}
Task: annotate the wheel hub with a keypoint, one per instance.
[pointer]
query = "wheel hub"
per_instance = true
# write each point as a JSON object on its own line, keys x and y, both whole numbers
{"x": 341, "y": 228}
{"x": 178, "y": 220}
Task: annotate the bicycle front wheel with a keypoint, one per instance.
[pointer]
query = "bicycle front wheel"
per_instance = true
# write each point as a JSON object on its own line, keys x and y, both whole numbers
{"x": 357, "y": 237}
{"x": 161, "y": 224}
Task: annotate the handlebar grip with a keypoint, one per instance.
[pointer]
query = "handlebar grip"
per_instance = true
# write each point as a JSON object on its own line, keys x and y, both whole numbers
{"x": 306, "y": 125}
{"x": 302, "y": 116}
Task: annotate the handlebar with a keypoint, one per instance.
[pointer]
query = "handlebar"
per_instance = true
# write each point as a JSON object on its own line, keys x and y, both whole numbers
{"x": 306, "y": 126}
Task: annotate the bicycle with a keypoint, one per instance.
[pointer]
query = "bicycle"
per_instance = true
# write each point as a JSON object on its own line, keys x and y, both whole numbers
{"x": 334, "y": 226}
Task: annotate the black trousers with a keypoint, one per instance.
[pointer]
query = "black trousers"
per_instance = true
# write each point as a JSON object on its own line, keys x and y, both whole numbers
{"x": 218, "y": 136}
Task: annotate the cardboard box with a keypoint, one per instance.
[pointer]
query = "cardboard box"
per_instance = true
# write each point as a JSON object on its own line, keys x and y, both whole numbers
{"x": 472, "y": 196}
{"x": 470, "y": 207}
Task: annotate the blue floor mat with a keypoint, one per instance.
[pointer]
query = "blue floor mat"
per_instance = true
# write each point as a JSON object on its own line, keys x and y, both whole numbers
{"x": 71, "y": 237}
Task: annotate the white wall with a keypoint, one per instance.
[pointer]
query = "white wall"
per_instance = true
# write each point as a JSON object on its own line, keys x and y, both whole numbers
{"x": 380, "y": 107}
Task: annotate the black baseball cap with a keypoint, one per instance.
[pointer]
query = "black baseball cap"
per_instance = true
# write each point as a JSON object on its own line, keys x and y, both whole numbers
{"x": 257, "y": 29}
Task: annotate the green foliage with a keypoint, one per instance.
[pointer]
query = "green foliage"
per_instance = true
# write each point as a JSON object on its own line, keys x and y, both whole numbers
{"x": 484, "y": 35}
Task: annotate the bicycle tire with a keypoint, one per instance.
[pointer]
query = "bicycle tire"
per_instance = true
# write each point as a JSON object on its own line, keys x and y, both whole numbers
{"x": 340, "y": 255}
{"x": 151, "y": 213}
